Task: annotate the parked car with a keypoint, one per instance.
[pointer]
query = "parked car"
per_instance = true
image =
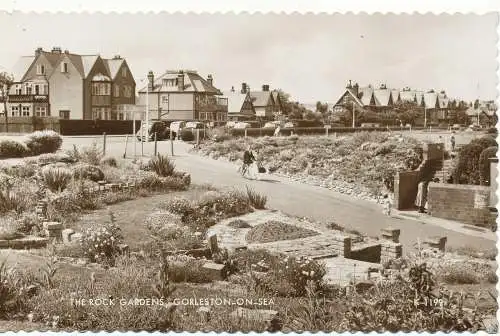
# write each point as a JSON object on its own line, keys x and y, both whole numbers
{"x": 195, "y": 125}
{"x": 290, "y": 124}
{"x": 475, "y": 127}
{"x": 176, "y": 127}
{"x": 159, "y": 127}
{"x": 231, "y": 124}
{"x": 456, "y": 127}
{"x": 271, "y": 125}
{"x": 242, "y": 125}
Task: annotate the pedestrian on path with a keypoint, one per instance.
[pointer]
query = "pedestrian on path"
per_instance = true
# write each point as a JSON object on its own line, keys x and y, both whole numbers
{"x": 387, "y": 205}
{"x": 452, "y": 142}
{"x": 277, "y": 131}
{"x": 421, "y": 198}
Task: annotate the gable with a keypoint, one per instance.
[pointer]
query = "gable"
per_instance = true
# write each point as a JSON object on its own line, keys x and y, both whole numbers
{"x": 31, "y": 72}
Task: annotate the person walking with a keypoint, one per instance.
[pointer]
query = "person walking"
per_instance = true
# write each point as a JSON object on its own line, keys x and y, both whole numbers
{"x": 248, "y": 160}
{"x": 452, "y": 142}
{"x": 387, "y": 205}
{"x": 421, "y": 198}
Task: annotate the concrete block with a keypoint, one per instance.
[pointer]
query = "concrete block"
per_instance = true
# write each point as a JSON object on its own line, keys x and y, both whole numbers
{"x": 215, "y": 271}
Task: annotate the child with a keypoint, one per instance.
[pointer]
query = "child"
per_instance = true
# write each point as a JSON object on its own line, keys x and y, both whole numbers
{"x": 387, "y": 205}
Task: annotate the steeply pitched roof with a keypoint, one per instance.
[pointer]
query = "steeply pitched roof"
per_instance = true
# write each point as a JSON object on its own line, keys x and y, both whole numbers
{"x": 366, "y": 94}
{"x": 408, "y": 96}
{"x": 395, "y": 95}
{"x": 430, "y": 99}
{"x": 276, "y": 96}
{"x": 88, "y": 62}
{"x": 261, "y": 98}
{"x": 382, "y": 97}
{"x": 113, "y": 65}
{"x": 471, "y": 111}
{"x": 235, "y": 101}
{"x": 21, "y": 67}
{"x": 193, "y": 82}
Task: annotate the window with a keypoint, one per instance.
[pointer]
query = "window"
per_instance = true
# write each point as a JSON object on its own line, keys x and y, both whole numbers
{"x": 29, "y": 89}
{"x": 127, "y": 91}
{"x": 101, "y": 89}
{"x": 41, "y": 111}
{"x": 40, "y": 69}
{"x": 46, "y": 89}
{"x": 64, "y": 67}
{"x": 26, "y": 111}
{"x": 37, "y": 89}
{"x": 164, "y": 99}
{"x": 14, "y": 111}
{"x": 124, "y": 72}
{"x": 203, "y": 116}
{"x": 117, "y": 90}
{"x": 64, "y": 114}
{"x": 120, "y": 116}
{"x": 19, "y": 90}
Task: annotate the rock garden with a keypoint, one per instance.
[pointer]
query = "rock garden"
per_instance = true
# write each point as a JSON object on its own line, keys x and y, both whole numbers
{"x": 173, "y": 256}
{"x": 362, "y": 164}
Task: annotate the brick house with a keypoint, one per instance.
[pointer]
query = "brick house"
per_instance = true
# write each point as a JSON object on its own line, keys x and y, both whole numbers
{"x": 483, "y": 113}
{"x": 70, "y": 86}
{"x": 384, "y": 99}
{"x": 239, "y": 105}
{"x": 183, "y": 95}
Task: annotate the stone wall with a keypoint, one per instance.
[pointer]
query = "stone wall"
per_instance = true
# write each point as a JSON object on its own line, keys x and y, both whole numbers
{"x": 405, "y": 189}
{"x": 369, "y": 252}
{"x": 464, "y": 203}
{"x": 342, "y": 245}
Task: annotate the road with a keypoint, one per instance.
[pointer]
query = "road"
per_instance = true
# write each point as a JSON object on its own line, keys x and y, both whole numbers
{"x": 294, "y": 198}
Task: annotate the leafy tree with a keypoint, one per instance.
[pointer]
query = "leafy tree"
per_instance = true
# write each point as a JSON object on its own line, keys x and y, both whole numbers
{"x": 468, "y": 170}
{"x": 484, "y": 164}
{"x": 6, "y": 82}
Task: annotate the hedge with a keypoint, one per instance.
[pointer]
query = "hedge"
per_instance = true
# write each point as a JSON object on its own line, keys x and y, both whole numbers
{"x": 97, "y": 127}
{"x": 256, "y": 132}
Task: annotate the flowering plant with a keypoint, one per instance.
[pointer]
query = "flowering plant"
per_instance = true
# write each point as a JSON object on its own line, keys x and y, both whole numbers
{"x": 101, "y": 244}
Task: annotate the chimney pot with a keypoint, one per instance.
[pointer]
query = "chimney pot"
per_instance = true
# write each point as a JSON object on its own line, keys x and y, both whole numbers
{"x": 151, "y": 78}
{"x": 265, "y": 88}
{"x": 210, "y": 80}
{"x": 232, "y": 88}
{"x": 180, "y": 81}
{"x": 56, "y": 50}
{"x": 244, "y": 88}
{"x": 38, "y": 51}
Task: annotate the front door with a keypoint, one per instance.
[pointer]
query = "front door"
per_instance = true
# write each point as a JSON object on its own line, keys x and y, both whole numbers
{"x": 63, "y": 114}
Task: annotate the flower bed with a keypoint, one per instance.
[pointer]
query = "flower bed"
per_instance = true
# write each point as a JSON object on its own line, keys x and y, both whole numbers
{"x": 274, "y": 231}
{"x": 357, "y": 164}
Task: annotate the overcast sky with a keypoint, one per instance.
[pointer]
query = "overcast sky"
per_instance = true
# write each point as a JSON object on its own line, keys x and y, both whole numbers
{"x": 309, "y": 56}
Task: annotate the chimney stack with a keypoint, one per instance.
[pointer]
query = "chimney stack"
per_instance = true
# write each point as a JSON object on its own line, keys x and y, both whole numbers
{"x": 265, "y": 88}
{"x": 232, "y": 88}
{"x": 180, "y": 80}
{"x": 66, "y": 51}
{"x": 38, "y": 51}
{"x": 56, "y": 50}
{"x": 356, "y": 89}
{"x": 151, "y": 78}
{"x": 210, "y": 80}
{"x": 244, "y": 88}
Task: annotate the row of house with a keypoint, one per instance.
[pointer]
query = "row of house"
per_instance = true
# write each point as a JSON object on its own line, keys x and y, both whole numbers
{"x": 72, "y": 86}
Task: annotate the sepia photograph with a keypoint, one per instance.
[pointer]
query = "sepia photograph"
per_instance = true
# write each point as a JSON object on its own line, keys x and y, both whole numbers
{"x": 248, "y": 172}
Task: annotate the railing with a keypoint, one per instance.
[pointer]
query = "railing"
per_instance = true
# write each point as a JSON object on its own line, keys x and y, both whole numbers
{"x": 28, "y": 98}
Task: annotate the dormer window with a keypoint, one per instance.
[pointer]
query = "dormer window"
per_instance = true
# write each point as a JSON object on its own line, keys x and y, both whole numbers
{"x": 170, "y": 82}
{"x": 40, "y": 69}
{"x": 64, "y": 67}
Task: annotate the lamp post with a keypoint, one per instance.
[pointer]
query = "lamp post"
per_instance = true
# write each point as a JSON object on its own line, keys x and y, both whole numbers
{"x": 353, "y": 116}
{"x": 147, "y": 113}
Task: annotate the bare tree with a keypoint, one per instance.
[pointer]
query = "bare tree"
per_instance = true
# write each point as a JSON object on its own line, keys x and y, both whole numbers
{"x": 6, "y": 81}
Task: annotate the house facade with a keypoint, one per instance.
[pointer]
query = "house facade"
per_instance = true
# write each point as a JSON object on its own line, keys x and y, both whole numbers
{"x": 482, "y": 113}
{"x": 264, "y": 104}
{"x": 239, "y": 105}
{"x": 183, "y": 95}
{"x": 71, "y": 86}
{"x": 435, "y": 105}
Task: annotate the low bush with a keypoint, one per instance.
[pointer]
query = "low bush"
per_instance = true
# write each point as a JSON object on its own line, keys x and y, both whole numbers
{"x": 12, "y": 149}
{"x": 17, "y": 195}
{"x": 484, "y": 164}
{"x": 162, "y": 165}
{"x": 258, "y": 201}
{"x": 239, "y": 224}
{"x": 56, "y": 179}
{"x": 87, "y": 171}
{"x": 22, "y": 171}
{"x": 9, "y": 228}
{"x": 109, "y": 161}
{"x": 91, "y": 155}
{"x": 190, "y": 271}
{"x": 43, "y": 142}
{"x": 101, "y": 243}
{"x": 458, "y": 275}
{"x": 178, "y": 205}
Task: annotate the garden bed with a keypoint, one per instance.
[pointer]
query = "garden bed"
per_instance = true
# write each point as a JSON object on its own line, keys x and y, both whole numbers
{"x": 275, "y": 231}
{"x": 361, "y": 164}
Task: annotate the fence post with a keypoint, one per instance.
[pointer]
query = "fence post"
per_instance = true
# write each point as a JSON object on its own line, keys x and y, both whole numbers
{"x": 126, "y": 143}
{"x": 245, "y": 133}
{"x": 142, "y": 146}
{"x": 156, "y": 145}
{"x": 171, "y": 142}
{"x": 104, "y": 143}
{"x": 197, "y": 137}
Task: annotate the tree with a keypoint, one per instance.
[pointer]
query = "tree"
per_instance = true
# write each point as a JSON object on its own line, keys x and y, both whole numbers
{"x": 6, "y": 82}
{"x": 407, "y": 112}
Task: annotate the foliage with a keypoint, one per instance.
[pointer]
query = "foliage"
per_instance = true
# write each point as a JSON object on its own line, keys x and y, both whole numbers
{"x": 484, "y": 164}
{"x": 458, "y": 274}
{"x": 467, "y": 170}
{"x": 16, "y": 195}
{"x": 87, "y": 171}
{"x": 40, "y": 142}
{"x": 162, "y": 165}
{"x": 274, "y": 231}
{"x": 412, "y": 303}
{"x": 189, "y": 271}
{"x": 257, "y": 200}
{"x": 109, "y": 161}
{"x": 101, "y": 243}
{"x": 12, "y": 149}
{"x": 239, "y": 224}
{"x": 91, "y": 155}
{"x": 9, "y": 228}
{"x": 56, "y": 179}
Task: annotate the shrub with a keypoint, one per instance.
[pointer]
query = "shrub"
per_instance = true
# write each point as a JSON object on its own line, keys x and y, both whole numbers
{"x": 101, "y": 243}
{"x": 458, "y": 274}
{"x": 484, "y": 164}
{"x": 92, "y": 154}
{"x": 239, "y": 224}
{"x": 22, "y": 171}
{"x": 492, "y": 130}
{"x": 224, "y": 205}
{"x": 12, "y": 149}
{"x": 178, "y": 205}
{"x": 16, "y": 195}
{"x": 190, "y": 271}
{"x": 88, "y": 171}
{"x": 187, "y": 135}
{"x": 9, "y": 228}
{"x": 109, "y": 161}
{"x": 162, "y": 165}
{"x": 43, "y": 142}
{"x": 56, "y": 179}
{"x": 257, "y": 200}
